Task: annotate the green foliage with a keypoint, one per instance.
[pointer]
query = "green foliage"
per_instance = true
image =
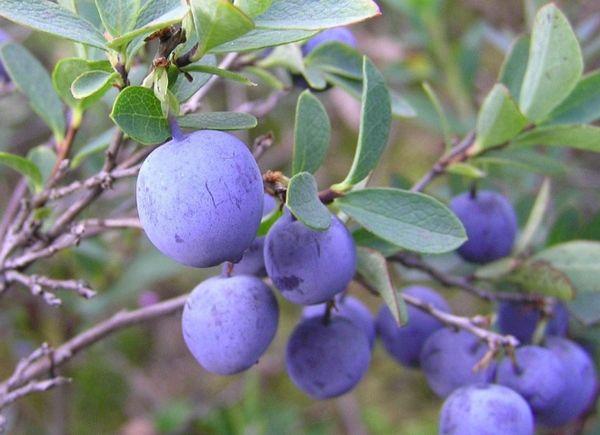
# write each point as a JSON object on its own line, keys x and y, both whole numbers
{"x": 541, "y": 277}
{"x": 583, "y": 137}
{"x": 118, "y": 16}
{"x": 514, "y": 66}
{"x": 374, "y": 126}
{"x": 217, "y": 22}
{"x": 209, "y": 69}
{"x": 582, "y": 105}
{"x": 336, "y": 58}
{"x": 410, "y": 220}
{"x": 24, "y": 166}
{"x": 46, "y": 16}
{"x": 304, "y": 203}
{"x": 554, "y": 67}
{"x": 67, "y": 71}
{"x": 138, "y": 113}
{"x": 312, "y": 134}
{"x": 499, "y": 118}
{"x": 183, "y": 88}
{"x": 92, "y": 84}
{"x": 33, "y": 80}
{"x": 217, "y": 121}
{"x": 372, "y": 267}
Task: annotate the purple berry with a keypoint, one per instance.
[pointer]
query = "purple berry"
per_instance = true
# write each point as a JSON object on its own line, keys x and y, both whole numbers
{"x": 580, "y": 375}
{"x": 252, "y": 262}
{"x": 485, "y": 409}
{"x": 200, "y": 199}
{"x": 448, "y": 359}
{"x": 307, "y": 266}
{"x": 228, "y": 323}
{"x": 520, "y": 320}
{"x": 269, "y": 205}
{"x": 537, "y": 376}
{"x": 338, "y": 34}
{"x": 350, "y": 308}
{"x": 404, "y": 343}
{"x": 491, "y": 225}
{"x": 327, "y": 360}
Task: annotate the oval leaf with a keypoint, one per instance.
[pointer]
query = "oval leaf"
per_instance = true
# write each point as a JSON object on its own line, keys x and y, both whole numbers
{"x": 554, "y": 67}
{"x": 582, "y": 105}
{"x": 218, "y": 121}
{"x": 138, "y": 113}
{"x": 312, "y": 134}
{"x": 372, "y": 267}
{"x": 261, "y": 38}
{"x": 25, "y": 167}
{"x": 514, "y": 66}
{"x": 118, "y": 16}
{"x": 92, "y": 83}
{"x": 304, "y": 203}
{"x": 582, "y": 137}
{"x": 33, "y": 80}
{"x": 499, "y": 119}
{"x": 541, "y": 277}
{"x": 407, "y": 219}
{"x": 375, "y": 119}
{"x": 209, "y": 69}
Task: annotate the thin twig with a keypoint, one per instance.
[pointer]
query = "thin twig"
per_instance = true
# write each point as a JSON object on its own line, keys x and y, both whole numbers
{"x": 413, "y": 261}
{"x": 40, "y": 285}
{"x": 260, "y": 108}
{"x": 118, "y": 321}
{"x": 32, "y": 387}
{"x": 193, "y": 103}
{"x": 12, "y": 207}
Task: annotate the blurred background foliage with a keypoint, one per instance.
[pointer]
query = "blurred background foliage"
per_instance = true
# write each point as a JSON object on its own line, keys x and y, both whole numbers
{"x": 144, "y": 381}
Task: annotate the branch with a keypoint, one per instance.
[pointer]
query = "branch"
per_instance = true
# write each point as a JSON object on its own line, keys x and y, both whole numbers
{"x": 413, "y": 261}
{"x": 38, "y": 283}
{"x": 68, "y": 350}
{"x": 260, "y": 108}
{"x": 457, "y": 154}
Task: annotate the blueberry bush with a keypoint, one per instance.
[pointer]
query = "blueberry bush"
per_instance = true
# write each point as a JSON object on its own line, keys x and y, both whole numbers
{"x": 319, "y": 216}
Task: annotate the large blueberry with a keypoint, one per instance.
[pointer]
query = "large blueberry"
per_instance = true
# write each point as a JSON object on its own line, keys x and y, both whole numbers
{"x": 327, "y": 359}
{"x": 307, "y": 266}
{"x": 520, "y": 320}
{"x": 228, "y": 323}
{"x": 537, "y": 376}
{"x": 404, "y": 343}
{"x": 490, "y": 222}
{"x": 337, "y": 34}
{"x": 580, "y": 374}
{"x": 486, "y": 409}
{"x": 200, "y": 199}
{"x": 448, "y": 359}
{"x": 350, "y": 308}
{"x": 4, "y": 37}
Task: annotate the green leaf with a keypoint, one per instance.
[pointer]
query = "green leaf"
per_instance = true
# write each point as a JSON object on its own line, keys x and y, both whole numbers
{"x": 372, "y": 267}
{"x": 46, "y": 16}
{"x": 585, "y": 308}
{"x": 267, "y": 222}
{"x": 375, "y": 122}
{"x": 541, "y": 277}
{"x": 316, "y": 14}
{"x": 217, "y": 22}
{"x": 582, "y": 106}
{"x": 92, "y": 83}
{"x": 118, "y": 16}
{"x": 138, "y": 113}
{"x": 169, "y": 18}
{"x": 582, "y": 137}
{"x": 252, "y": 8}
{"x": 407, "y": 219}
{"x": 184, "y": 89}
{"x": 514, "y": 66}
{"x": 262, "y": 38}
{"x": 554, "y": 67}
{"x": 523, "y": 158}
{"x": 312, "y": 134}
{"x": 579, "y": 260}
{"x": 400, "y": 107}
{"x": 499, "y": 119}
{"x": 465, "y": 169}
{"x": 96, "y": 145}
{"x": 33, "y": 80}
{"x": 44, "y": 158}
{"x": 336, "y": 58}
{"x": 536, "y": 216}
{"x": 153, "y": 9}
{"x": 218, "y": 121}
{"x": 209, "y": 69}
{"x": 67, "y": 70}
{"x": 304, "y": 203}
{"x": 25, "y": 167}
{"x": 369, "y": 240}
